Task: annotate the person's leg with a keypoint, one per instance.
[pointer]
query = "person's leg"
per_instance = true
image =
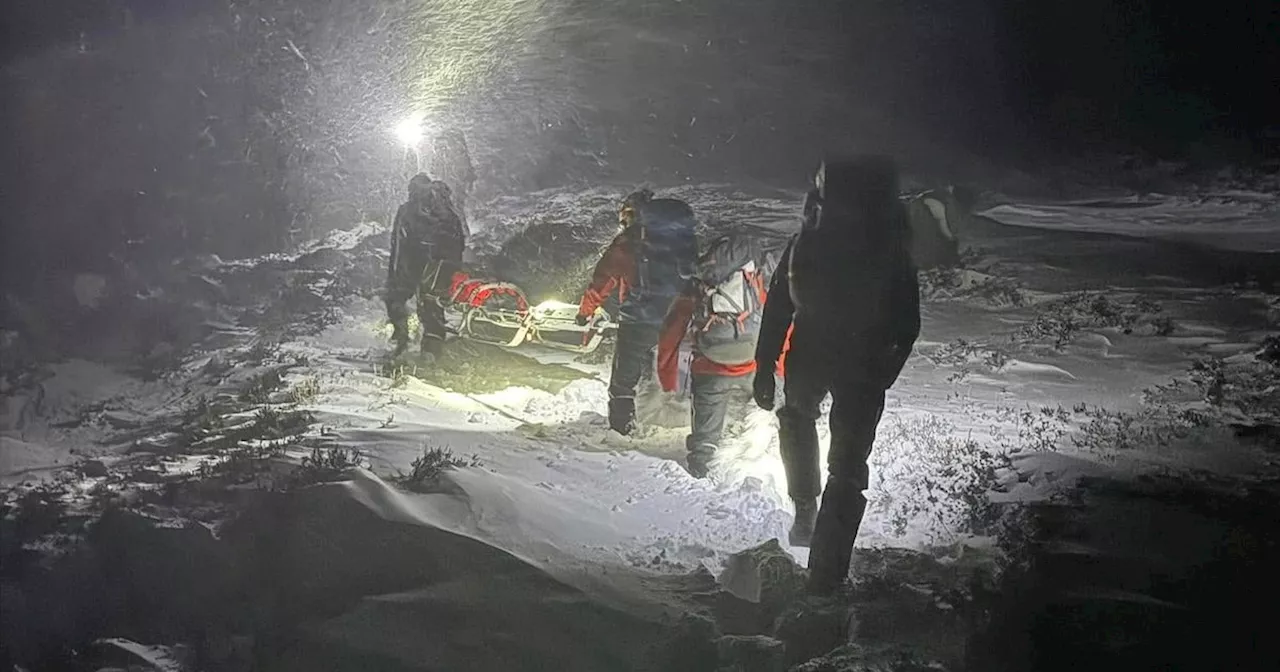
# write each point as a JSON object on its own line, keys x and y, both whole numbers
{"x": 431, "y": 316}
{"x": 804, "y": 388}
{"x": 855, "y": 413}
{"x": 402, "y": 284}
{"x": 710, "y": 402}
{"x": 632, "y": 360}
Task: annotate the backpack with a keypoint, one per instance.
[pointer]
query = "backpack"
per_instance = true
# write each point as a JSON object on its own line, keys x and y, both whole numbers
{"x": 733, "y": 285}
{"x": 666, "y": 249}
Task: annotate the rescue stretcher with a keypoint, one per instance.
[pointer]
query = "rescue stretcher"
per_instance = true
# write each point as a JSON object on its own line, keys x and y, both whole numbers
{"x": 499, "y": 313}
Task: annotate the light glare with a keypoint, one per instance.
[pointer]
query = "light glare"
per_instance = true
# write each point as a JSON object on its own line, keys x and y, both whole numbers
{"x": 409, "y": 131}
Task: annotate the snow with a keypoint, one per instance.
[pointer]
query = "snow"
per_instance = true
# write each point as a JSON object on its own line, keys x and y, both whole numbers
{"x": 1230, "y": 220}
{"x": 554, "y": 488}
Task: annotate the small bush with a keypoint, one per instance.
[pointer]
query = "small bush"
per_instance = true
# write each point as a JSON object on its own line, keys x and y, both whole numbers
{"x": 956, "y": 283}
{"x": 242, "y": 463}
{"x": 327, "y": 464}
{"x": 306, "y": 391}
{"x": 1059, "y": 321}
{"x": 397, "y": 373}
{"x": 1106, "y": 433}
{"x": 270, "y": 423}
{"x": 924, "y": 471}
{"x": 426, "y": 469}
{"x": 259, "y": 388}
{"x": 967, "y": 357}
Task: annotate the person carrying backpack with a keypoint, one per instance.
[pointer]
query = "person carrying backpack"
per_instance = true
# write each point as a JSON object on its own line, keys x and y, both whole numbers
{"x": 847, "y": 290}
{"x": 719, "y": 314}
{"x": 427, "y": 232}
{"x": 645, "y": 266}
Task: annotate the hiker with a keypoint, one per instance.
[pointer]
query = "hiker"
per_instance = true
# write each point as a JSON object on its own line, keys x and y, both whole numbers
{"x": 937, "y": 217}
{"x": 719, "y": 313}
{"x": 645, "y": 265}
{"x": 427, "y": 233}
{"x": 846, "y": 302}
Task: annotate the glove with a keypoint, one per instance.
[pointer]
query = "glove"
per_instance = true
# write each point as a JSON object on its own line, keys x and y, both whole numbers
{"x": 763, "y": 388}
{"x": 582, "y": 320}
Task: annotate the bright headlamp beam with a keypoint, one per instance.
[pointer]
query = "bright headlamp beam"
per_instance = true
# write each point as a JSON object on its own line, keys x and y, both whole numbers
{"x": 409, "y": 131}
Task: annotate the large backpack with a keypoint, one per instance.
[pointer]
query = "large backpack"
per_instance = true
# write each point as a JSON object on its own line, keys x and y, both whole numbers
{"x": 666, "y": 257}
{"x": 733, "y": 283}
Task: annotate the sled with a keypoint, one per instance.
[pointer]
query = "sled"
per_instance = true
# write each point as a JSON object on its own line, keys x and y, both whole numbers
{"x": 550, "y": 323}
{"x": 498, "y": 313}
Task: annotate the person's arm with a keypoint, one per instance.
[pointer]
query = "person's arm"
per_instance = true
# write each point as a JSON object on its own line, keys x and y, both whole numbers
{"x": 675, "y": 326}
{"x": 614, "y": 269}
{"x": 776, "y": 320}
{"x": 905, "y": 324}
{"x": 397, "y": 232}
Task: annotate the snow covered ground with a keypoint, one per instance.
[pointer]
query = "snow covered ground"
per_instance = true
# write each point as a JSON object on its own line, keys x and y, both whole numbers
{"x": 1020, "y": 386}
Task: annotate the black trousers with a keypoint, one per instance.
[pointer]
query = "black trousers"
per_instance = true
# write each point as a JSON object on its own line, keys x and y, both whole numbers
{"x": 814, "y": 368}
{"x": 404, "y": 281}
{"x": 632, "y": 361}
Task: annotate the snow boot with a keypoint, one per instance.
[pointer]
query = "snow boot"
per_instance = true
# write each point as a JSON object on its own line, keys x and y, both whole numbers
{"x": 622, "y": 415}
{"x": 699, "y": 459}
{"x": 806, "y": 516}
{"x": 430, "y": 348}
{"x": 835, "y": 530}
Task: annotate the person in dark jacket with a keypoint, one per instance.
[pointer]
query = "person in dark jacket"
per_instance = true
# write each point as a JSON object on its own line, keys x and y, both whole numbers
{"x": 645, "y": 266}
{"x": 427, "y": 233}
{"x": 719, "y": 314}
{"x": 846, "y": 300}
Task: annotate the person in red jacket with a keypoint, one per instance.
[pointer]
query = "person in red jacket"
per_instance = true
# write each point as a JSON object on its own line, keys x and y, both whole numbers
{"x": 719, "y": 314}
{"x": 645, "y": 266}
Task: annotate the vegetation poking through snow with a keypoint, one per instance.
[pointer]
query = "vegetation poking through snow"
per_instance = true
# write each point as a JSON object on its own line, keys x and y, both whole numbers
{"x": 1060, "y": 320}
{"x": 326, "y": 464}
{"x": 397, "y": 373}
{"x": 262, "y": 350}
{"x": 924, "y": 468}
{"x": 1041, "y": 429}
{"x": 962, "y": 283}
{"x": 426, "y": 469}
{"x": 967, "y": 357}
{"x": 1107, "y": 433}
{"x": 305, "y": 391}
{"x": 241, "y": 464}
{"x": 1239, "y": 389}
{"x": 259, "y": 388}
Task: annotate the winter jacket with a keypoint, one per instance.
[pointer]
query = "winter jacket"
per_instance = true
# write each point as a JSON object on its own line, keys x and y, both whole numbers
{"x": 846, "y": 282}
{"x": 719, "y": 311}
{"x": 428, "y": 227}
{"x": 647, "y": 264}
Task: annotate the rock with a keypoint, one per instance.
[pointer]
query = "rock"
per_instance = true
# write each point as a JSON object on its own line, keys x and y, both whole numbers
{"x": 93, "y": 469}
{"x": 694, "y": 648}
{"x": 750, "y": 653}
{"x": 812, "y": 627}
{"x": 758, "y": 584}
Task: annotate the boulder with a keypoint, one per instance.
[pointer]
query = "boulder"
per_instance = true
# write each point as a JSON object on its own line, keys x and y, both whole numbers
{"x": 757, "y": 583}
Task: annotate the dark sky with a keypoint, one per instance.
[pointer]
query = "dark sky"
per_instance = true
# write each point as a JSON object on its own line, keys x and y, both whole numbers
{"x": 1155, "y": 69}
{"x": 1158, "y": 73}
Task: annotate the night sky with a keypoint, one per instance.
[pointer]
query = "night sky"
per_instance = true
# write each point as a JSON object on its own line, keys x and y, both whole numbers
{"x": 136, "y": 137}
{"x": 1158, "y": 73}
